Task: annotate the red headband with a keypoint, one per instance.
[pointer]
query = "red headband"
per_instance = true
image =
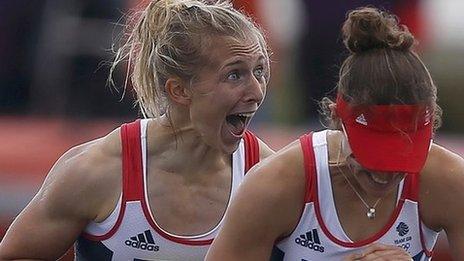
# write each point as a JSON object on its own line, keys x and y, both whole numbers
{"x": 388, "y": 138}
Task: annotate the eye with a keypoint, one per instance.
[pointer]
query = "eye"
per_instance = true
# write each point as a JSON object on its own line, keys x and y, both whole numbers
{"x": 233, "y": 76}
{"x": 259, "y": 72}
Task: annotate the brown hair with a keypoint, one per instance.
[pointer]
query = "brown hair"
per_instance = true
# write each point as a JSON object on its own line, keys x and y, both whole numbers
{"x": 382, "y": 67}
{"x": 169, "y": 38}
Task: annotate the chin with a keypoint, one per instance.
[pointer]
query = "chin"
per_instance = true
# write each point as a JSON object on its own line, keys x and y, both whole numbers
{"x": 228, "y": 143}
{"x": 380, "y": 191}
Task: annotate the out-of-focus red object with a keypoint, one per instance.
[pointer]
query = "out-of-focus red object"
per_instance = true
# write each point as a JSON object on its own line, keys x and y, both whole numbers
{"x": 411, "y": 15}
{"x": 249, "y": 6}
{"x": 30, "y": 146}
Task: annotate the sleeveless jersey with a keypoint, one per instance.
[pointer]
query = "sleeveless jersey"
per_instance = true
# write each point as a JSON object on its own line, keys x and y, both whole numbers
{"x": 131, "y": 232}
{"x": 319, "y": 234}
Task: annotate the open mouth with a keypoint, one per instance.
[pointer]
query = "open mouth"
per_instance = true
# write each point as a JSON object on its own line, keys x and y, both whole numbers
{"x": 238, "y": 122}
{"x": 378, "y": 180}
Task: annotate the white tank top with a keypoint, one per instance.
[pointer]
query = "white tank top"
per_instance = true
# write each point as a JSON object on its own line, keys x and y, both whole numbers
{"x": 319, "y": 234}
{"x": 131, "y": 232}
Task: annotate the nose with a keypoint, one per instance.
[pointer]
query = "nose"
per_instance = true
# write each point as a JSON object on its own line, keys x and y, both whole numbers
{"x": 255, "y": 91}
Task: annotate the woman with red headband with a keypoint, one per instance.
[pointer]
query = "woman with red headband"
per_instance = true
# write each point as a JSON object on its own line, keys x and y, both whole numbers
{"x": 372, "y": 187}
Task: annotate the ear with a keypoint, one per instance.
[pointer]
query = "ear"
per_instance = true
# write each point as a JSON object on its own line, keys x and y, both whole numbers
{"x": 334, "y": 116}
{"x": 177, "y": 91}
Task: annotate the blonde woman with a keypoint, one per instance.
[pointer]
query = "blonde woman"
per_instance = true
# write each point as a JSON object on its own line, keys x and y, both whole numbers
{"x": 157, "y": 188}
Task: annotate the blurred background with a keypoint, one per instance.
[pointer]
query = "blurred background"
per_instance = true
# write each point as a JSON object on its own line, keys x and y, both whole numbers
{"x": 54, "y": 59}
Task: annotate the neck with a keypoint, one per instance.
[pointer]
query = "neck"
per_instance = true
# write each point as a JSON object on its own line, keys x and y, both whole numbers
{"x": 342, "y": 176}
{"x": 177, "y": 147}
{"x": 346, "y": 184}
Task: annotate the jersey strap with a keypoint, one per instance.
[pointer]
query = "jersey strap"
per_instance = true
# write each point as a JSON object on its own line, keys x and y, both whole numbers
{"x": 131, "y": 174}
{"x": 251, "y": 150}
{"x": 306, "y": 142}
{"x": 132, "y": 188}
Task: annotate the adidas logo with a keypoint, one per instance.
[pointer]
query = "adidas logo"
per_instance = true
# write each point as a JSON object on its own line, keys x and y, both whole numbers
{"x": 310, "y": 240}
{"x": 143, "y": 241}
{"x": 361, "y": 120}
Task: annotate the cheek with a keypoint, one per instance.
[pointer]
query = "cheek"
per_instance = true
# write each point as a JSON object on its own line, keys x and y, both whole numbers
{"x": 361, "y": 174}
{"x": 214, "y": 107}
{"x": 206, "y": 116}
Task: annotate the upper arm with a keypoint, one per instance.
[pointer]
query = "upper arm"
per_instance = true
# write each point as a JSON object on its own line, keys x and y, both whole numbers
{"x": 443, "y": 193}
{"x": 60, "y": 210}
{"x": 453, "y": 224}
{"x": 266, "y": 206}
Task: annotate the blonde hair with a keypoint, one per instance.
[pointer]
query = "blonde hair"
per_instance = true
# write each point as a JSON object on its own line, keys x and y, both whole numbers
{"x": 169, "y": 38}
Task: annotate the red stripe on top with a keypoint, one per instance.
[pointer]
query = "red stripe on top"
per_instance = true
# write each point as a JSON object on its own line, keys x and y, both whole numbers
{"x": 312, "y": 196}
{"x": 306, "y": 143}
{"x": 251, "y": 150}
{"x": 309, "y": 165}
{"x": 132, "y": 176}
{"x": 371, "y": 239}
{"x": 172, "y": 238}
{"x": 412, "y": 192}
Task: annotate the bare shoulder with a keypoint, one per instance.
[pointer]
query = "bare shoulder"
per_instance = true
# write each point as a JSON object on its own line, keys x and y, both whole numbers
{"x": 441, "y": 186}
{"x": 89, "y": 173}
{"x": 264, "y": 150}
{"x": 288, "y": 158}
{"x": 81, "y": 186}
{"x": 442, "y": 169}
{"x": 278, "y": 180}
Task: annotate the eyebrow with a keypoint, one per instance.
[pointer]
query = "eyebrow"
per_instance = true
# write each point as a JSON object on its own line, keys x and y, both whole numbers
{"x": 240, "y": 61}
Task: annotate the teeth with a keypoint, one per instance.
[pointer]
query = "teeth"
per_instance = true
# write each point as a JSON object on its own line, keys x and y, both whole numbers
{"x": 249, "y": 114}
{"x": 381, "y": 181}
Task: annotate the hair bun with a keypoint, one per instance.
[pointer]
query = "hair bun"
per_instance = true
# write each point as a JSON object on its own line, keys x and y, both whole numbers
{"x": 369, "y": 28}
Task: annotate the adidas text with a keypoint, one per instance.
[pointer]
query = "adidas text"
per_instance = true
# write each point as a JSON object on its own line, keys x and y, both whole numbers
{"x": 310, "y": 245}
{"x": 143, "y": 241}
{"x": 310, "y": 240}
{"x": 142, "y": 245}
